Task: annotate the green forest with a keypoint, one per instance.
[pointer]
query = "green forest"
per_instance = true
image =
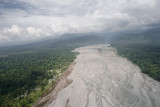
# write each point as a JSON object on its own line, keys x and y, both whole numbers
{"x": 24, "y": 76}
{"x": 146, "y": 56}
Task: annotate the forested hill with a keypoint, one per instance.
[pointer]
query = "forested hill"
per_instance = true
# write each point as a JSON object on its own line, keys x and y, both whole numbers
{"x": 65, "y": 40}
{"x": 151, "y": 36}
{"x": 142, "y": 49}
{"x": 79, "y": 41}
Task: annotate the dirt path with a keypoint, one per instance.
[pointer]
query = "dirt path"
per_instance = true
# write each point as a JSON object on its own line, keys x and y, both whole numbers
{"x": 100, "y": 78}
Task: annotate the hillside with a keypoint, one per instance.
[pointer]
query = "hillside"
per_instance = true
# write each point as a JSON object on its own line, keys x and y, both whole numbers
{"x": 151, "y": 36}
{"x": 65, "y": 40}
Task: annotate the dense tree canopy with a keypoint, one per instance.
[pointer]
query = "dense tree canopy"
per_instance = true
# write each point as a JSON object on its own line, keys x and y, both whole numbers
{"x": 22, "y": 73}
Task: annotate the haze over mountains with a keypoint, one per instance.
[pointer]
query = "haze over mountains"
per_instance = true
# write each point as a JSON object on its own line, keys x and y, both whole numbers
{"x": 151, "y": 36}
{"x": 27, "y": 21}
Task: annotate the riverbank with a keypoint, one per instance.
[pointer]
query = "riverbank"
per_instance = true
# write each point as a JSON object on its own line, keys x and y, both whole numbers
{"x": 100, "y": 78}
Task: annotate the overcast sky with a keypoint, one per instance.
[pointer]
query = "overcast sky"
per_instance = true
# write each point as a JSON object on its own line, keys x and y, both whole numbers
{"x": 23, "y": 20}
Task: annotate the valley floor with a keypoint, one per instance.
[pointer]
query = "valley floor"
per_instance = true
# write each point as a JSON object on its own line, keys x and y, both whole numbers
{"x": 100, "y": 78}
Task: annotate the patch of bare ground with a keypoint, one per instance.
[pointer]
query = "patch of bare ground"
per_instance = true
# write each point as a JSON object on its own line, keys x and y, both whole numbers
{"x": 61, "y": 83}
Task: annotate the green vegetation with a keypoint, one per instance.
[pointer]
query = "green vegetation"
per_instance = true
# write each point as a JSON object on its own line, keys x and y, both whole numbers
{"x": 24, "y": 76}
{"x": 146, "y": 56}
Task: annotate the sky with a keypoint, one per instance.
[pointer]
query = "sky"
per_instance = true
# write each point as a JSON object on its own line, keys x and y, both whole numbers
{"x": 29, "y": 20}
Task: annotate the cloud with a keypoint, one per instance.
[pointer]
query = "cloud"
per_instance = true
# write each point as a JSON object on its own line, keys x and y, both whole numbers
{"x": 35, "y": 19}
{"x": 15, "y": 33}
